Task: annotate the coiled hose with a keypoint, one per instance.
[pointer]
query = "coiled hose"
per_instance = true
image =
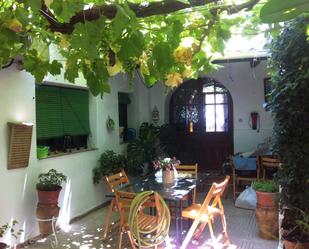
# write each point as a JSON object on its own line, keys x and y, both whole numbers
{"x": 154, "y": 235}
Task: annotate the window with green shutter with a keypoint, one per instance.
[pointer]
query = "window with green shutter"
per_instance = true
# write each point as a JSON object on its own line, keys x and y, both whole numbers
{"x": 62, "y": 117}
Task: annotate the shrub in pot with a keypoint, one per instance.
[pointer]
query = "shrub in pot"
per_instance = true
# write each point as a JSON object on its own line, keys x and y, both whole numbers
{"x": 267, "y": 208}
{"x": 11, "y": 229}
{"x": 290, "y": 108}
{"x": 48, "y": 188}
{"x": 110, "y": 163}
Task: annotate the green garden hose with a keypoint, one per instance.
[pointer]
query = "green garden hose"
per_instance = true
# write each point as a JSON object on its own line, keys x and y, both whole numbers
{"x": 154, "y": 235}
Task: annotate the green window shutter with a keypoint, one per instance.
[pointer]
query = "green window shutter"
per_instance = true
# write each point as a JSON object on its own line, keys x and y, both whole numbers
{"x": 48, "y": 112}
{"x": 61, "y": 111}
{"x": 75, "y": 111}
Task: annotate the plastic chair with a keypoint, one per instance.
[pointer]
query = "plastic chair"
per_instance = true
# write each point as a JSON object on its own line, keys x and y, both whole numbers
{"x": 113, "y": 182}
{"x": 244, "y": 170}
{"x": 205, "y": 213}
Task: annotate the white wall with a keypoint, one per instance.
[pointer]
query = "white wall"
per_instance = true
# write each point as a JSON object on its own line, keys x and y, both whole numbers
{"x": 17, "y": 187}
{"x": 246, "y": 86}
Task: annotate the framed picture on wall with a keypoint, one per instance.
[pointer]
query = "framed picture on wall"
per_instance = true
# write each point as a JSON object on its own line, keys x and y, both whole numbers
{"x": 267, "y": 90}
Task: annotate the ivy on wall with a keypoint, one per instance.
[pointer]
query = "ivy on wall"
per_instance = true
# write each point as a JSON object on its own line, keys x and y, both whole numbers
{"x": 290, "y": 107}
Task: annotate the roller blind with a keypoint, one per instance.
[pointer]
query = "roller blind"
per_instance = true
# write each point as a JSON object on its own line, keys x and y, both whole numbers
{"x": 61, "y": 111}
{"x": 123, "y": 98}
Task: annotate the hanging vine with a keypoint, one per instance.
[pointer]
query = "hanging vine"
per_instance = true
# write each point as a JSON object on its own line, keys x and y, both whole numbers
{"x": 167, "y": 41}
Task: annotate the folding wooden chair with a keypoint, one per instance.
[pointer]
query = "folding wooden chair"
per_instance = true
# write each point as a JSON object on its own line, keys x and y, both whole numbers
{"x": 113, "y": 182}
{"x": 145, "y": 221}
{"x": 189, "y": 169}
{"x": 244, "y": 170}
{"x": 205, "y": 213}
{"x": 268, "y": 163}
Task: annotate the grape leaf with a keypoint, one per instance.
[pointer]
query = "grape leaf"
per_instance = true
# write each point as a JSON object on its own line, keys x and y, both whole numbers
{"x": 282, "y": 10}
{"x": 120, "y": 22}
{"x": 64, "y": 10}
{"x": 131, "y": 46}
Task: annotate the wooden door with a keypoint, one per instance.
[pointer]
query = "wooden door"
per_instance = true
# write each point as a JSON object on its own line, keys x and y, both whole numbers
{"x": 202, "y": 113}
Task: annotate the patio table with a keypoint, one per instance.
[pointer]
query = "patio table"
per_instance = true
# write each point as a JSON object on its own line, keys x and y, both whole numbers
{"x": 172, "y": 193}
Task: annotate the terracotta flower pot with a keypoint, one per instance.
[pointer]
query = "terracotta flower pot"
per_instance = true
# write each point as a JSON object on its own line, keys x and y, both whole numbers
{"x": 267, "y": 214}
{"x": 48, "y": 197}
{"x": 267, "y": 199}
{"x": 295, "y": 245}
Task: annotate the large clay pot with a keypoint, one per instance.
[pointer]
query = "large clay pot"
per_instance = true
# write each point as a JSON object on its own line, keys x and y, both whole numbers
{"x": 47, "y": 210}
{"x": 46, "y": 215}
{"x": 295, "y": 245}
{"x": 3, "y": 245}
{"x": 168, "y": 177}
{"x": 267, "y": 212}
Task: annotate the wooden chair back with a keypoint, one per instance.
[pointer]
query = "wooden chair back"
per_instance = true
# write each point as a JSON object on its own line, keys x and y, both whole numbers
{"x": 190, "y": 169}
{"x": 270, "y": 162}
{"x": 116, "y": 180}
{"x": 213, "y": 197}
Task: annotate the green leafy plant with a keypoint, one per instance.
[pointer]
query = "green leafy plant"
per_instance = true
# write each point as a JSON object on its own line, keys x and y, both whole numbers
{"x": 279, "y": 11}
{"x": 290, "y": 109}
{"x": 10, "y": 227}
{"x": 267, "y": 186}
{"x": 110, "y": 123}
{"x": 168, "y": 139}
{"x": 300, "y": 232}
{"x": 146, "y": 147}
{"x": 110, "y": 163}
{"x": 50, "y": 181}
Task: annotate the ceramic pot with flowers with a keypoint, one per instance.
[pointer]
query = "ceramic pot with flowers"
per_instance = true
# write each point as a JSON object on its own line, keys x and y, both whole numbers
{"x": 168, "y": 168}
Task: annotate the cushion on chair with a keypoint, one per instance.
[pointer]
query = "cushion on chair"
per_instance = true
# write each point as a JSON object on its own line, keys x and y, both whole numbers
{"x": 244, "y": 163}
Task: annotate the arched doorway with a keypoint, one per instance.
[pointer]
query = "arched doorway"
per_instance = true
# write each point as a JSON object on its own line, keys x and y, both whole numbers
{"x": 202, "y": 112}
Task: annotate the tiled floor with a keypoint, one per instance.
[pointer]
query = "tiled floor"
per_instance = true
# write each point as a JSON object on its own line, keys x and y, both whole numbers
{"x": 87, "y": 232}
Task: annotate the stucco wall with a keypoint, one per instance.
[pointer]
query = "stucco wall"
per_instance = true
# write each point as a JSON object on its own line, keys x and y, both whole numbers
{"x": 246, "y": 86}
{"x": 17, "y": 187}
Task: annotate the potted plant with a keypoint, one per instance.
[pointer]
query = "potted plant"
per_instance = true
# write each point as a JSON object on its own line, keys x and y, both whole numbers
{"x": 48, "y": 188}
{"x": 297, "y": 238}
{"x": 11, "y": 229}
{"x": 290, "y": 108}
{"x": 267, "y": 208}
{"x": 110, "y": 163}
{"x": 168, "y": 168}
{"x": 144, "y": 149}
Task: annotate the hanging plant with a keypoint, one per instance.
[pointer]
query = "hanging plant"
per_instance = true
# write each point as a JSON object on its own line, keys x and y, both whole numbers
{"x": 110, "y": 123}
